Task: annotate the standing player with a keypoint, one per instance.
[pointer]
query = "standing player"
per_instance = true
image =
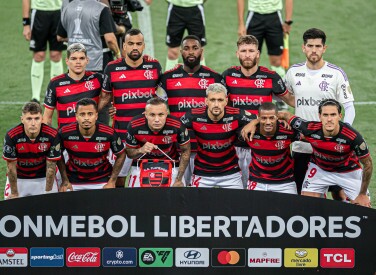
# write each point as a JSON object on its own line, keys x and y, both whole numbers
{"x": 271, "y": 168}
{"x": 216, "y": 127}
{"x": 87, "y": 143}
{"x": 250, "y": 85}
{"x": 311, "y": 82}
{"x": 65, "y": 90}
{"x": 154, "y": 131}
{"x": 183, "y": 15}
{"x": 129, "y": 83}
{"x": 40, "y": 28}
{"x": 264, "y": 21}
{"x": 31, "y": 150}
{"x": 337, "y": 150}
{"x": 185, "y": 87}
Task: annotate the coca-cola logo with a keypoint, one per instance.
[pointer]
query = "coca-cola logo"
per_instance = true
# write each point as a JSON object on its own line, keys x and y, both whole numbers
{"x": 83, "y": 256}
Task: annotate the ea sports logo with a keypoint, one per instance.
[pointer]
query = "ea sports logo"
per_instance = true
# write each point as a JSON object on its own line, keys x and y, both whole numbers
{"x": 228, "y": 257}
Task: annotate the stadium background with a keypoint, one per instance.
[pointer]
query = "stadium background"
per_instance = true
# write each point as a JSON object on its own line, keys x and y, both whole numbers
{"x": 351, "y": 45}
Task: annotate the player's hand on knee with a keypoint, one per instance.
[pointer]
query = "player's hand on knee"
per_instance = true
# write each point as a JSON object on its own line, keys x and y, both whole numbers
{"x": 110, "y": 184}
{"x": 112, "y": 111}
{"x": 362, "y": 200}
{"x": 13, "y": 195}
{"x": 66, "y": 187}
{"x": 178, "y": 183}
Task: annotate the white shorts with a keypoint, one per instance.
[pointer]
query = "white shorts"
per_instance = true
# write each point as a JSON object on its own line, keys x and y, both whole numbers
{"x": 29, "y": 187}
{"x": 287, "y": 188}
{"x": 189, "y": 171}
{"x": 233, "y": 181}
{"x": 126, "y": 166}
{"x": 318, "y": 180}
{"x": 88, "y": 186}
{"x": 244, "y": 155}
{"x": 134, "y": 178}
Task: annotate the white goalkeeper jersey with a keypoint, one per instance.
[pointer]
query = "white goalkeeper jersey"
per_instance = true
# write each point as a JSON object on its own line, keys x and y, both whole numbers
{"x": 312, "y": 86}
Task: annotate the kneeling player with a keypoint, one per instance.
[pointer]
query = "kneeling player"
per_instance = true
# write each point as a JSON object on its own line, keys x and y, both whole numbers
{"x": 271, "y": 167}
{"x": 31, "y": 150}
{"x": 87, "y": 143}
{"x": 154, "y": 135}
{"x": 337, "y": 150}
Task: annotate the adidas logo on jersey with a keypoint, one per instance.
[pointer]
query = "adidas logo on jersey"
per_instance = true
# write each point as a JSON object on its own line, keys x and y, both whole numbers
{"x": 21, "y": 149}
{"x": 235, "y": 82}
{"x": 178, "y": 84}
{"x": 257, "y": 144}
{"x": 122, "y": 76}
{"x": 66, "y": 91}
{"x": 203, "y": 128}
{"x": 298, "y": 84}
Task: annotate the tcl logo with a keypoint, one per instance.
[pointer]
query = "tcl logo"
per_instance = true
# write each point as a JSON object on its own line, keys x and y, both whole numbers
{"x": 337, "y": 258}
{"x": 83, "y": 257}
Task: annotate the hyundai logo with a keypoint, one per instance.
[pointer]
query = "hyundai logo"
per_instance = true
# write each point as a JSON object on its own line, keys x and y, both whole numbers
{"x": 192, "y": 254}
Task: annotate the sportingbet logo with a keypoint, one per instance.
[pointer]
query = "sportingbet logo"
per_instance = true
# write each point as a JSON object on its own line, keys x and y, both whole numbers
{"x": 337, "y": 258}
{"x": 136, "y": 95}
{"x": 188, "y": 104}
{"x": 83, "y": 257}
{"x": 47, "y": 257}
{"x": 308, "y": 102}
{"x": 155, "y": 257}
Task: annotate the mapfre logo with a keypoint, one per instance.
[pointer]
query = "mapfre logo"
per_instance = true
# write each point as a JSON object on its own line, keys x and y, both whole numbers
{"x": 83, "y": 257}
{"x": 337, "y": 258}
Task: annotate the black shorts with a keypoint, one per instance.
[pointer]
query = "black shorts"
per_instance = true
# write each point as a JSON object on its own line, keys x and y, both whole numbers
{"x": 44, "y": 28}
{"x": 180, "y": 19}
{"x": 266, "y": 27}
{"x": 301, "y": 161}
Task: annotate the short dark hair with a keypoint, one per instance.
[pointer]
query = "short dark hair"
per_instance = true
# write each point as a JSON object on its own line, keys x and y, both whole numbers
{"x": 267, "y": 106}
{"x": 32, "y": 108}
{"x": 247, "y": 39}
{"x": 86, "y": 102}
{"x": 330, "y": 102}
{"x": 314, "y": 34}
{"x": 76, "y": 47}
{"x": 133, "y": 32}
{"x": 192, "y": 37}
{"x": 156, "y": 101}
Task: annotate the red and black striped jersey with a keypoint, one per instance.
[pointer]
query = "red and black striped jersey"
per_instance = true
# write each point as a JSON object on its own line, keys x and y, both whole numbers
{"x": 216, "y": 155}
{"x": 271, "y": 157}
{"x": 130, "y": 88}
{"x": 31, "y": 155}
{"x": 340, "y": 153}
{"x": 249, "y": 92}
{"x": 88, "y": 162}
{"x": 186, "y": 91}
{"x": 173, "y": 133}
{"x": 63, "y": 92}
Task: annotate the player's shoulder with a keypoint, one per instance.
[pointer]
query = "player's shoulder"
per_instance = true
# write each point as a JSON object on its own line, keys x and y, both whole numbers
{"x": 103, "y": 128}
{"x": 137, "y": 121}
{"x": 209, "y": 70}
{"x": 232, "y": 110}
{"x": 173, "y": 121}
{"x": 91, "y": 75}
{"x": 348, "y": 131}
{"x": 148, "y": 59}
{"x": 231, "y": 70}
{"x": 198, "y": 111}
{"x": 15, "y": 131}
{"x": 115, "y": 62}
{"x": 58, "y": 78}
{"x": 172, "y": 71}
{"x": 69, "y": 128}
{"x": 284, "y": 131}
{"x": 335, "y": 70}
{"x": 298, "y": 67}
{"x": 267, "y": 71}
{"x": 46, "y": 129}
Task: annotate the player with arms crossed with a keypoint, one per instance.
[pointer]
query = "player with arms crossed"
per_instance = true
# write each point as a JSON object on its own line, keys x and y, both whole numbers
{"x": 216, "y": 127}
{"x": 87, "y": 143}
{"x": 31, "y": 150}
{"x": 154, "y": 131}
{"x": 271, "y": 167}
{"x": 337, "y": 150}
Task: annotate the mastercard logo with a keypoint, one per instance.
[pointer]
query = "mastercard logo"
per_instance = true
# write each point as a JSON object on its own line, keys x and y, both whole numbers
{"x": 228, "y": 257}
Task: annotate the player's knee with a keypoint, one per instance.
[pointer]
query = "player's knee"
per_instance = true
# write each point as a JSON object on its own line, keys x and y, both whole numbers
{"x": 173, "y": 53}
{"x": 39, "y": 56}
{"x": 55, "y": 56}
